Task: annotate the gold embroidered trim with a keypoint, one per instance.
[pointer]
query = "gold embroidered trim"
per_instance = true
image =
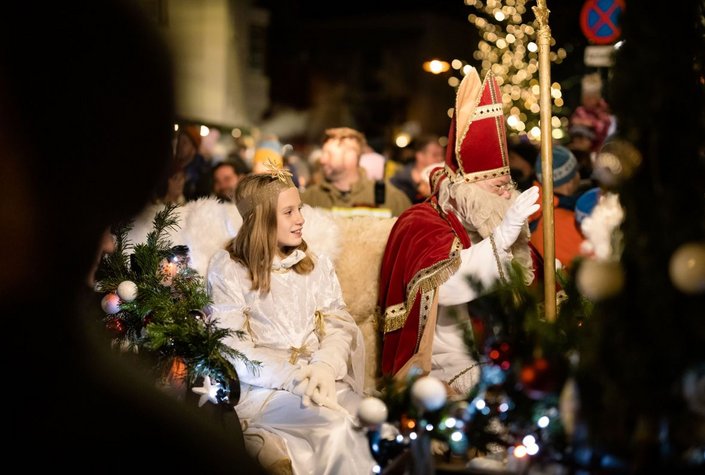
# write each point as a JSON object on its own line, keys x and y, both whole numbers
{"x": 424, "y": 312}
{"x": 296, "y": 353}
{"x": 246, "y": 325}
{"x": 490, "y": 110}
{"x": 499, "y": 125}
{"x": 500, "y": 267}
{"x": 477, "y": 176}
{"x": 460, "y": 138}
{"x": 320, "y": 329}
{"x": 452, "y": 380}
{"x": 425, "y": 280}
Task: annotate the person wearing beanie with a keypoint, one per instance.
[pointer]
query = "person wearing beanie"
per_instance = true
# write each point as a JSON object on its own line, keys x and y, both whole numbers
{"x": 270, "y": 152}
{"x": 472, "y": 227}
{"x": 267, "y": 150}
{"x": 566, "y": 181}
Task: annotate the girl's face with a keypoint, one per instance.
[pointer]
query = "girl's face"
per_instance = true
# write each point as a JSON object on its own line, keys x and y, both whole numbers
{"x": 290, "y": 221}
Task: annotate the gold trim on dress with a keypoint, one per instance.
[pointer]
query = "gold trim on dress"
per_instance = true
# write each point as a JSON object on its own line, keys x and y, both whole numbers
{"x": 320, "y": 329}
{"x": 296, "y": 353}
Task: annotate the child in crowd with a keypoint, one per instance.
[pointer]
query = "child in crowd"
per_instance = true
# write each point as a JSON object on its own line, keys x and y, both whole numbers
{"x": 288, "y": 303}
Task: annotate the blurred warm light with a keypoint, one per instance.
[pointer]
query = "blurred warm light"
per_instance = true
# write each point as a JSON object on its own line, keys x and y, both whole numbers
{"x": 236, "y": 133}
{"x": 467, "y": 68}
{"x": 436, "y": 66}
{"x": 456, "y": 64}
{"x": 557, "y": 134}
{"x": 520, "y": 451}
{"x": 205, "y": 131}
{"x": 402, "y": 140}
{"x": 450, "y": 111}
{"x": 555, "y": 121}
{"x": 532, "y": 47}
{"x": 499, "y": 15}
{"x": 535, "y": 133}
{"x": 453, "y": 81}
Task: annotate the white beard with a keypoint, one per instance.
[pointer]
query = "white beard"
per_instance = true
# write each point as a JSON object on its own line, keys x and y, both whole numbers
{"x": 481, "y": 212}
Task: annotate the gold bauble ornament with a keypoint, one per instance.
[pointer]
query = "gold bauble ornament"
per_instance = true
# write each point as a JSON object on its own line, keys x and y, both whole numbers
{"x": 687, "y": 268}
{"x": 598, "y": 280}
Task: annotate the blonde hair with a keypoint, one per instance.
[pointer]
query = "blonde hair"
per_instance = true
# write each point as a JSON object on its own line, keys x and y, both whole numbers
{"x": 341, "y": 134}
{"x": 255, "y": 245}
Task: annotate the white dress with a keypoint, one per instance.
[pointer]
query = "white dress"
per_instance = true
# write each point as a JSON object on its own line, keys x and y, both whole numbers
{"x": 283, "y": 331}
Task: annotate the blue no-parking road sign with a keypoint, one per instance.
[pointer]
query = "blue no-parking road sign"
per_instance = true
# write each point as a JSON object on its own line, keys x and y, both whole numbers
{"x": 599, "y": 20}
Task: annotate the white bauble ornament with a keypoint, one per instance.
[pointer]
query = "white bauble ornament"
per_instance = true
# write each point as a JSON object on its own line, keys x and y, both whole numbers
{"x": 428, "y": 393}
{"x": 372, "y": 411}
{"x": 687, "y": 268}
{"x": 598, "y": 280}
{"x": 110, "y": 303}
{"x": 127, "y": 291}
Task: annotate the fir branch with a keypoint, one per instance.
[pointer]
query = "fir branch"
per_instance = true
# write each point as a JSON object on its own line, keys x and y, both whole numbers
{"x": 167, "y": 319}
{"x": 163, "y": 221}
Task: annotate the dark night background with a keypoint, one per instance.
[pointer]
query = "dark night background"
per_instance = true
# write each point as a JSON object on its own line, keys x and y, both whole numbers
{"x": 360, "y": 63}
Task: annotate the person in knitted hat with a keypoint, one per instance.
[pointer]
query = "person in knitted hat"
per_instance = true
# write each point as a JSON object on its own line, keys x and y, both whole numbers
{"x": 593, "y": 112}
{"x": 566, "y": 182}
{"x": 267, "y": 150}
{"x": 270, "y": 150}
{"x": 472, "y": 226}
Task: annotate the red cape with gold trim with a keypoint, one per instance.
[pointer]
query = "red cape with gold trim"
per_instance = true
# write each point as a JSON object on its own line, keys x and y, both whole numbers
{"x": 422, "y": 252}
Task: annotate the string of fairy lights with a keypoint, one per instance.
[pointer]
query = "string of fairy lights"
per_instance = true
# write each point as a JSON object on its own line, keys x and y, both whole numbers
{"x": 506, "y": 47}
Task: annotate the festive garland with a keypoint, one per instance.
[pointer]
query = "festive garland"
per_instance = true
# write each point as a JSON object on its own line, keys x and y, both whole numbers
{"x": 155, "y": 304}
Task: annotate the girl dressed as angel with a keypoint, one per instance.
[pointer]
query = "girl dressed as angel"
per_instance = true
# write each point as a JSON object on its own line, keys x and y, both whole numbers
{"x": 288, "y": 304}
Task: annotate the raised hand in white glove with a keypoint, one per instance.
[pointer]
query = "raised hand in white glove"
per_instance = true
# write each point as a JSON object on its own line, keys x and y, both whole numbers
{"x": 509, "y": 229}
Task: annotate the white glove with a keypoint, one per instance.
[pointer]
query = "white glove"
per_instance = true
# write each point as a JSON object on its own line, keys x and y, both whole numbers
{"x": 315, "y": 382}
{"x": 509, "y": 229}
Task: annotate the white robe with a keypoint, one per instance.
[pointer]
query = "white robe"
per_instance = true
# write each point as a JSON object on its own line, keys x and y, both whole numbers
{"x": 318, "y": 440}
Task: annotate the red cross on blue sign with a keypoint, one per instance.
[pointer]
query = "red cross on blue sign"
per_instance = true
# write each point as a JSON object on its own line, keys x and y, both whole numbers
{"x": 599, "y": 20}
